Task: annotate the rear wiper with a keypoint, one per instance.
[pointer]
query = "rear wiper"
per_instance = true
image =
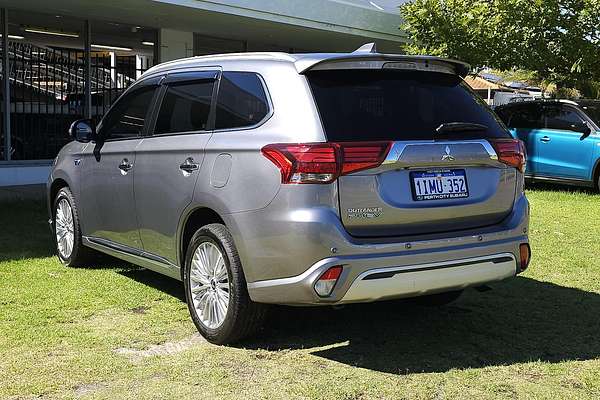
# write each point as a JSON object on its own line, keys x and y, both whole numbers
{"x": 460, "y": 126}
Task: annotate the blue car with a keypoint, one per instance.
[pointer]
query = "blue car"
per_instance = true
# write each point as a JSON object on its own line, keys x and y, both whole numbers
{"x": 562, "y": 138}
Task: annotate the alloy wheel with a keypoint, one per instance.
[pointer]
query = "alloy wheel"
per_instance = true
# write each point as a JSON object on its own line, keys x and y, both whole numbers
{"x": 209, "y": 285}
{"x": 64, "y": 229}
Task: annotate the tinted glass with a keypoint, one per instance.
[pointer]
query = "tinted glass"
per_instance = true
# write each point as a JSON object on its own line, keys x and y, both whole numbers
{"x": 562, "y": 117}
{"x": 241, "y": 101}
{"x": 592, "y": 109}
{"x": 185, "y": 108}
{"x": 525, "y": 116}
{"x": 127, "y": 118}
{"x": 397, "y": 105}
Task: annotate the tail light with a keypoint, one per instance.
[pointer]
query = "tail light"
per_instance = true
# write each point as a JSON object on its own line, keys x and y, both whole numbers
{"x": 324, "y": 162}
{"x": 510, "y": 152}
{"x": 324, "y": 286}
{"x": 524, "y": 255}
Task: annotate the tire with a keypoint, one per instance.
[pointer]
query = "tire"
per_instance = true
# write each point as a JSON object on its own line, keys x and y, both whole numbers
{"x": 438, "y": 299}
{"x": 75, "y": 254}
{"x": 207, "y": 292}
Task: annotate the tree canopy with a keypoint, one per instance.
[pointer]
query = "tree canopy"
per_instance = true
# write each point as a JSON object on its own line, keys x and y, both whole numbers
{"x": 557, "y": 39}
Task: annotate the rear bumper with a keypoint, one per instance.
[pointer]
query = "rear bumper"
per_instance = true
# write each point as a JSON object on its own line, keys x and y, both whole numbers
{"x": 396, "y": 275}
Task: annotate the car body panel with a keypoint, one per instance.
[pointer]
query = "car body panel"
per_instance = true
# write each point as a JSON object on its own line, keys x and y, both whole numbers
{"x": 107, "y": 200}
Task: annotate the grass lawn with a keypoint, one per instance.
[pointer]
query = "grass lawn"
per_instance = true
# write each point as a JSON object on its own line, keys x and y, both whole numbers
{"x": 120, "y": 332}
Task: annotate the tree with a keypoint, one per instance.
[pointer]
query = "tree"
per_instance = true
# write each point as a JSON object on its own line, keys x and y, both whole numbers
{"x": 557, "y": 39}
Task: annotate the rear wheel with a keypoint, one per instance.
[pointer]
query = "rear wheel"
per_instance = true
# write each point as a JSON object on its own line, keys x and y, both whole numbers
{"x": 215, "y": 288}
{"x": 438, "y": 299}
{"x": 67, "y": 232}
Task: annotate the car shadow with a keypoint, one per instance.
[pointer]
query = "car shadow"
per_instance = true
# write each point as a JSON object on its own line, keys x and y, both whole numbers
{"x": 520, "y": 320}
{"x": 558, "y": 187}
{"x": 167, "y": 285}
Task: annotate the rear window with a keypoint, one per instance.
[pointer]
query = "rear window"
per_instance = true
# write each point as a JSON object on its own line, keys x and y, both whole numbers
{"x": 241, "y": 102}
{"x": 397, "y": 105}
{"x": 185, "y": 108}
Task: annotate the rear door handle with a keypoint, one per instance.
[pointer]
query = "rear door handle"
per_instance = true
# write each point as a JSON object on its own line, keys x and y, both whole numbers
{"x": 545, "y": 139}
{"x": 189, "y": 165}
{"x": 125, "y": 165}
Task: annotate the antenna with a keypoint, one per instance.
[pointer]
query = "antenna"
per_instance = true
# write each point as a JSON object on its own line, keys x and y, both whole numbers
{"x": 367, "y": 48}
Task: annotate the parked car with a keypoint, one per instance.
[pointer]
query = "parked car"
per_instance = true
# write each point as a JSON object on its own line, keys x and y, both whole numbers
{"x": 562, "y": 139}
{"x": 299, "y": 179}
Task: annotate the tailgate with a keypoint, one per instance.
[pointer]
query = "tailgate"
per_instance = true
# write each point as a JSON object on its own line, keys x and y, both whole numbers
{"x": 387, "y": 201}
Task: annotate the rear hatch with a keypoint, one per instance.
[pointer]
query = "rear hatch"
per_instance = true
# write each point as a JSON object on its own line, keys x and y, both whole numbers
{"x": 442, "y": 172}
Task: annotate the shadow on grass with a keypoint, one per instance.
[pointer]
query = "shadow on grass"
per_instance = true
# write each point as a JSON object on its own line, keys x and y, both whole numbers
{"x": 557, "y": 187}
{"x": 519, "y": 321}
{"x": 24, "y": 230}
{"x": 157, "y": 281}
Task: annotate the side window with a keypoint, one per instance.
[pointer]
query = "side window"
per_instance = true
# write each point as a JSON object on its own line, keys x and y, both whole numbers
{"x": 241, "y": 102}
{"x": 127, "y": 118}
{"x": 185, "y": 107}
{"x": 526, "y": 116}
{"x": 562, "y": 117}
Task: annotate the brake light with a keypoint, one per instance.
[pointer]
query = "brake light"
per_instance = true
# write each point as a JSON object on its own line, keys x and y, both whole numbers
{"x": 510, "y": 152}
{"x": 325, "y": 284}
{"x": 324, "y": 162}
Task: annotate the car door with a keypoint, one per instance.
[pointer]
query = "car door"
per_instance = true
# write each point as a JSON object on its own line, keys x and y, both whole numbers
{"x": 169, "y": 160}
{"x": 108, "y": 169}
{"x": 524, "y": 122}
{"x": 562, "y": 151}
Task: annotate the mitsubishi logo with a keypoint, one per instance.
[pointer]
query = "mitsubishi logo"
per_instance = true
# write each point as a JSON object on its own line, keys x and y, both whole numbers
{"x": 448, "y": 156}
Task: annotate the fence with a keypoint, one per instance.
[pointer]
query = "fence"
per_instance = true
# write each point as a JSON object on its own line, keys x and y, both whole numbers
{"x": 47, "y": 94}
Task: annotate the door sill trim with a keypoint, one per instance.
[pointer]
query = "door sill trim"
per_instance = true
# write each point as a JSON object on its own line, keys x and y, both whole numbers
{"x": 565, "y": 181}
{"x": 134, "y": 256}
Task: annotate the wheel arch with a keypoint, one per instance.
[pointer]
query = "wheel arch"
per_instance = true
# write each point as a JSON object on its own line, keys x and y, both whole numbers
{"x": 196, "y": 219}
{"x": 596, "y": 174}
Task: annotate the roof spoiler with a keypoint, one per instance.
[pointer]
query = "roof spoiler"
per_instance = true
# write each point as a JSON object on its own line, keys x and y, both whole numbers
{"x": 366, "y": 56}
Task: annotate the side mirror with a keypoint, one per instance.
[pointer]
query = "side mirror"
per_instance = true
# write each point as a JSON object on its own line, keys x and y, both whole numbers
{"x": 582, "y": 128}
{"x": 82, "y": 130}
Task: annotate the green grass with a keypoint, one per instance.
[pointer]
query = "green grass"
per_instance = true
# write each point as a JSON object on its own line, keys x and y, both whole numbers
{"x": 120, "y": 332}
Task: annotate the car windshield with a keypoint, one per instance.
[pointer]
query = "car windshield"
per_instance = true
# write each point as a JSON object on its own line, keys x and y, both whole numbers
{"x": 398, "y": 105}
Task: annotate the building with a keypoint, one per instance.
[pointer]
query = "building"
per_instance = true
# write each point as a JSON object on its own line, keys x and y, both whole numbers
{"x": 71, "y": 59}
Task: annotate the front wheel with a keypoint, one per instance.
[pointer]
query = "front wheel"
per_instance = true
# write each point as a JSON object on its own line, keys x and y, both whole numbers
{"x": 67, "y": 232}
{"x": 215, "y": 288}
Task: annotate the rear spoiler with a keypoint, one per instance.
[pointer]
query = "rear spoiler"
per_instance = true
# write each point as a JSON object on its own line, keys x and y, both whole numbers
{"x": 366, "y": 57}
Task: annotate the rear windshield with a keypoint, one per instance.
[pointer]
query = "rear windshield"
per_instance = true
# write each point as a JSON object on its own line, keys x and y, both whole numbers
{"x": 398, "y": 105}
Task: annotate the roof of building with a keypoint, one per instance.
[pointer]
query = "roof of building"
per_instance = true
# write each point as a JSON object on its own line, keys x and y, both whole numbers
{"x": 479, "y": 83}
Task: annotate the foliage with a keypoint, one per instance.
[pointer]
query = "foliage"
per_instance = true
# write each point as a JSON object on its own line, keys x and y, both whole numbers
{"x": 557, "y": 39}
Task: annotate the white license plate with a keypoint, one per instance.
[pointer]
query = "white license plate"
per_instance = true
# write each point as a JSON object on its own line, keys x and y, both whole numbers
{"x": 439, "y": 185}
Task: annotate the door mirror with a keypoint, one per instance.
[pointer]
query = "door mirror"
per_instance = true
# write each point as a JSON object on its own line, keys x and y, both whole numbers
{"x": 82, "y": 130}
{"x": 582, "y": 128}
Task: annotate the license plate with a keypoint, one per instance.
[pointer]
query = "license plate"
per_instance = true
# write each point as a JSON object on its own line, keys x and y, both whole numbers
{"x": 439, "y": 185}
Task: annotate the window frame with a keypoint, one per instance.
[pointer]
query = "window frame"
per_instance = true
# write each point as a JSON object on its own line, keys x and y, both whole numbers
{"x": 141, "y": 85}
{"x": 181, "y": 78}
{"x": 564, "y": 106}
{"x": 267, "y": 116}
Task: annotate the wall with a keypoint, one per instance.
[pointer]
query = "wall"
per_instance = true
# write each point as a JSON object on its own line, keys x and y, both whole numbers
{"x": 175, "y": 44}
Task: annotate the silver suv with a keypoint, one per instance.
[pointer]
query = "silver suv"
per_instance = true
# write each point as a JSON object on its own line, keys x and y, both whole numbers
{"x": 299, "y": 179}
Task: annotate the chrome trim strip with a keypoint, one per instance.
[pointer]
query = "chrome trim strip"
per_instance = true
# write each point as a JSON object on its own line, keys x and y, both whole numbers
{"x": 398, "y": 148}
{"x": 136, "y": 256}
